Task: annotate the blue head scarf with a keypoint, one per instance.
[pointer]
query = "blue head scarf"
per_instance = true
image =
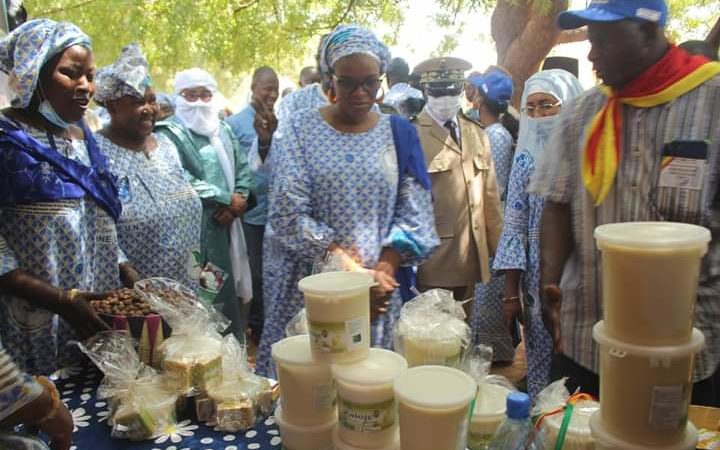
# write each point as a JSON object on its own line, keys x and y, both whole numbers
{"x": 346, "y": 40}
{"x": 534, "y": 133}
{"x": 128, "y": 75}
{"x": 25, "y": 51}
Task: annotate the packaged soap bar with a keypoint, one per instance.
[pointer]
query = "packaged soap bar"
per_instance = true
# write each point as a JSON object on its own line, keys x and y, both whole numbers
{"x": 205, "y": 409}
{"x": 235, "y": 415}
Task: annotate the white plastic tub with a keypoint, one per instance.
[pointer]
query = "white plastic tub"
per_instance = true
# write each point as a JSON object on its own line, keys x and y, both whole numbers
{"x": 650, "y": 273}
{"x": 338, "y": 315}
{"x": 488, "y": 415}
{"x": 645, "y": 391}
{"x": 433, "y": 406}
{"x": 342, "y": 445}
{"x": 367, "y": 413}
{"x": 305, "y": 438}
{"x": 307, "y": 390}
{"x": 606, "y": 441}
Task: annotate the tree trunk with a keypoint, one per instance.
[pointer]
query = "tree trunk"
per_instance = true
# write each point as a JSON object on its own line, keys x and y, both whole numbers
{"x": 524, "y": 35}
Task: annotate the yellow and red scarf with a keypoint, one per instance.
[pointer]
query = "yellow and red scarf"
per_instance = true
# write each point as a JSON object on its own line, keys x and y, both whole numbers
{"x": 676, "y": 74}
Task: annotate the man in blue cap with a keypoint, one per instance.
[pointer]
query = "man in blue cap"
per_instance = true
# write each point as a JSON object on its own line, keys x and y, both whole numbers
{"x": 465, "y": 195}
{"x": 608, "y": 162}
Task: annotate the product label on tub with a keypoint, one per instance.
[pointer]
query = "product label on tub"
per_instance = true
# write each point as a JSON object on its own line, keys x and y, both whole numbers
{"x": 338, "y": 337}
{"x": 324, "y": 395}
{"x": 366, "y": 418}
{"x": 668, "y": 410}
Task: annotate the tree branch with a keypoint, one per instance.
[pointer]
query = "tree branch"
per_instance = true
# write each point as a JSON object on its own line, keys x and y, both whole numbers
{"x": 713, "y": 37}
{"x": 245, "y": 6}
{"x": 570, "y": 36}
{"x": 65, "y": 8}
{"x": 345, "y": 15}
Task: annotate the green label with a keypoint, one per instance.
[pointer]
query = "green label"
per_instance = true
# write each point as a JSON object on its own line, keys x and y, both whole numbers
{"x": 337, "y": 337}
{"x": 366, "y": 418}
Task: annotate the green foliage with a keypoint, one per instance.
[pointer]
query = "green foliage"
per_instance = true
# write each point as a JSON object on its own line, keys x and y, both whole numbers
{"x": 227, "y": 37}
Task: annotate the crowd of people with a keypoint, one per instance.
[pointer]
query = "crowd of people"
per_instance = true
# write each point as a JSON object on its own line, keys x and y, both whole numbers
{"x": 341, "y": 173}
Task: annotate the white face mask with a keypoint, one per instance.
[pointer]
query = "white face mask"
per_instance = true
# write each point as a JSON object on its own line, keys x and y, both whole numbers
{"x": 201, "y": 117}
{"x": 444, "y": 108}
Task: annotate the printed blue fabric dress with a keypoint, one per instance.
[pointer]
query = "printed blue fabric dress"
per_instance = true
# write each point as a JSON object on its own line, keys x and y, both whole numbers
{"x": 519, "y": 248}
{"x": 328, "y": 186}
{"x": 488, "y": 323}
{"x": 68, "y": 243}
{"x": 159, "y": 228}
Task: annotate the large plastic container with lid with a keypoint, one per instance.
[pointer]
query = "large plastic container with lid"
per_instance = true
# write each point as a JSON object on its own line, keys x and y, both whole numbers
{"x": 394, "y": 443}
{"x": 606, "y": 441}
{"x": 433, "y": 407}
{"x": 367, "y": 413}
{"x": 650, "y": 273}
{"x": 488, "y": 414}
{"x": 645, "y": 391}
{"x": 578, "y": 435}
{"x": 307, "y": 389}
{"x": 338, "y": 315}
{"x": 305, "y": 438}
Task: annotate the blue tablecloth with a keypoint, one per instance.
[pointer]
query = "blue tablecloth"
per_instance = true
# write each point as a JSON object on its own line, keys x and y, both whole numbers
{"x": 78, "y": 390}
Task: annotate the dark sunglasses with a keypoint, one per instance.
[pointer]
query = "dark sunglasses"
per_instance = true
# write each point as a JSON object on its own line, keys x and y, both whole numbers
{"x": 350, "y": 85}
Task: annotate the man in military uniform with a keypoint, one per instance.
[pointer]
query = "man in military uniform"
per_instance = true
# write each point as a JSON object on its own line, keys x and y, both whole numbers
{"x": 467, "y": 205}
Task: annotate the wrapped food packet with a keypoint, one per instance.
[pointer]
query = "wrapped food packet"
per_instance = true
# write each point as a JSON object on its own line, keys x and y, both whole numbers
{"x": 241, "y": 397}
{"x": 141, "y": 402}
{"x": 432, "y": 330}
{"x": 490, "y": 403}
{"x": 191, "y": 357}
{"x": 564, "y": 418}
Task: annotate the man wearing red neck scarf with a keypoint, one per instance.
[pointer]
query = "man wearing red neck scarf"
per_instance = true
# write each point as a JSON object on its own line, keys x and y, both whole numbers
{"x": 643, "y": 146}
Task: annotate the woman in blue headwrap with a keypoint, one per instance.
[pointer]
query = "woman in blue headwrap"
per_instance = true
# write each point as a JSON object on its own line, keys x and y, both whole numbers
{"x": 159, "y": 228}
{"x": 518, "y": 253}
{"x": 58, "y": 201}
{"x": 348, "y": 182}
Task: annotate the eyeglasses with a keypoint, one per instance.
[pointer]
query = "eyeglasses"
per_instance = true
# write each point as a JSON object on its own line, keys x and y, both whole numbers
{"x": 543, "y": 108}
{"x": 193, "y": 96}
{"x": 350, "y": 85}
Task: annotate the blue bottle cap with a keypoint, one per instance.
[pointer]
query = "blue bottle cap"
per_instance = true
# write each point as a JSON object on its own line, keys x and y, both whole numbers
{"x": 518, "y": 405}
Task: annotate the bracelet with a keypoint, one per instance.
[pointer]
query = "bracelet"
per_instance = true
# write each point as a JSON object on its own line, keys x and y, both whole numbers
{"x": 54, "y": 397}
{"x": 510, "y": 299}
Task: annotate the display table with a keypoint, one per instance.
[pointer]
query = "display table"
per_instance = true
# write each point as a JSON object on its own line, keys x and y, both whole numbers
{"x": 78, "y": 390}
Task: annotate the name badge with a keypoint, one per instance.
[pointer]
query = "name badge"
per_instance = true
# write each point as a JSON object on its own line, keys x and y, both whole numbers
{"x": 684, "y": 165}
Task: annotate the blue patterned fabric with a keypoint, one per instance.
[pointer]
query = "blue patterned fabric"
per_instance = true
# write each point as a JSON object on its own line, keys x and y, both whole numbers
{"x": 78, "y": 387}
{"x": 501, "y": 147}
{"x": 327, "y": 186}
{"x": 26, "y": 50}
{"x": 309, "y": 97}
{"x": 32, "y": 170}
{"x": 128, "y": 75}
{"x": 70, "y": 243}
{"x": 519, "y": 249}
{"x": 400, "y": 92}
{"x": 160, "y": 224}
{"x": 346, "y": 40}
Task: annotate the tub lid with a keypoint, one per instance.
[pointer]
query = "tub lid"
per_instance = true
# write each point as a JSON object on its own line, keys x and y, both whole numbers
{"x": 650, "y": 235}
{"x": 293, "y": 350}
{"x": 605, "y": 441}
{"x": 342, "y": 445}
{"x": 660, "y": 352}
{"x": 280, "y": 419}
{"x": 491, "y": 400}
{"x": 380, "y": 367}
{"x": 435, "y": 387}
{"x": 336, "y": 283}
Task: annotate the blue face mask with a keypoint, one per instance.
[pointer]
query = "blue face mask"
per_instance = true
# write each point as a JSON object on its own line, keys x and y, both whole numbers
{"x": 48, "y": 112}
{"x": 474, "y": 114}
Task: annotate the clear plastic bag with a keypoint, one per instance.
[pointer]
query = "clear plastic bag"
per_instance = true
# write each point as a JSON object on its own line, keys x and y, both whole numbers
{"x": 242, "y": 396}
{"x": 432, "y": 330}
{"x": 142, "y": 404}
{"x": 191, "y": 357}
{"x": 490, "y": 403}
{"x": 565, "y": 416}
{"x": 297, "y": 325}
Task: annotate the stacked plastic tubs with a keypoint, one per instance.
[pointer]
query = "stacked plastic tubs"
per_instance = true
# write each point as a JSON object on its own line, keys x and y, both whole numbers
{"x": 650, "y": 273}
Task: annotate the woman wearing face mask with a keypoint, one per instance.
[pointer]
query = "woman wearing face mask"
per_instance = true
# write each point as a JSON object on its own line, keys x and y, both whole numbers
{"x": 58, "y": 200}
{"x": 159, "y": 228}
{"x": 518, "y": 254}
{"x": 341, "y": 185}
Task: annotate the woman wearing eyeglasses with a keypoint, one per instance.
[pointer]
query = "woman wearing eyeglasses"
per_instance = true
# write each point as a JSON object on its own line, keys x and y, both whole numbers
{"x": 518, "y": 253}
{"x": 341, "y": 185}
{"x": 218, "y": 171}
